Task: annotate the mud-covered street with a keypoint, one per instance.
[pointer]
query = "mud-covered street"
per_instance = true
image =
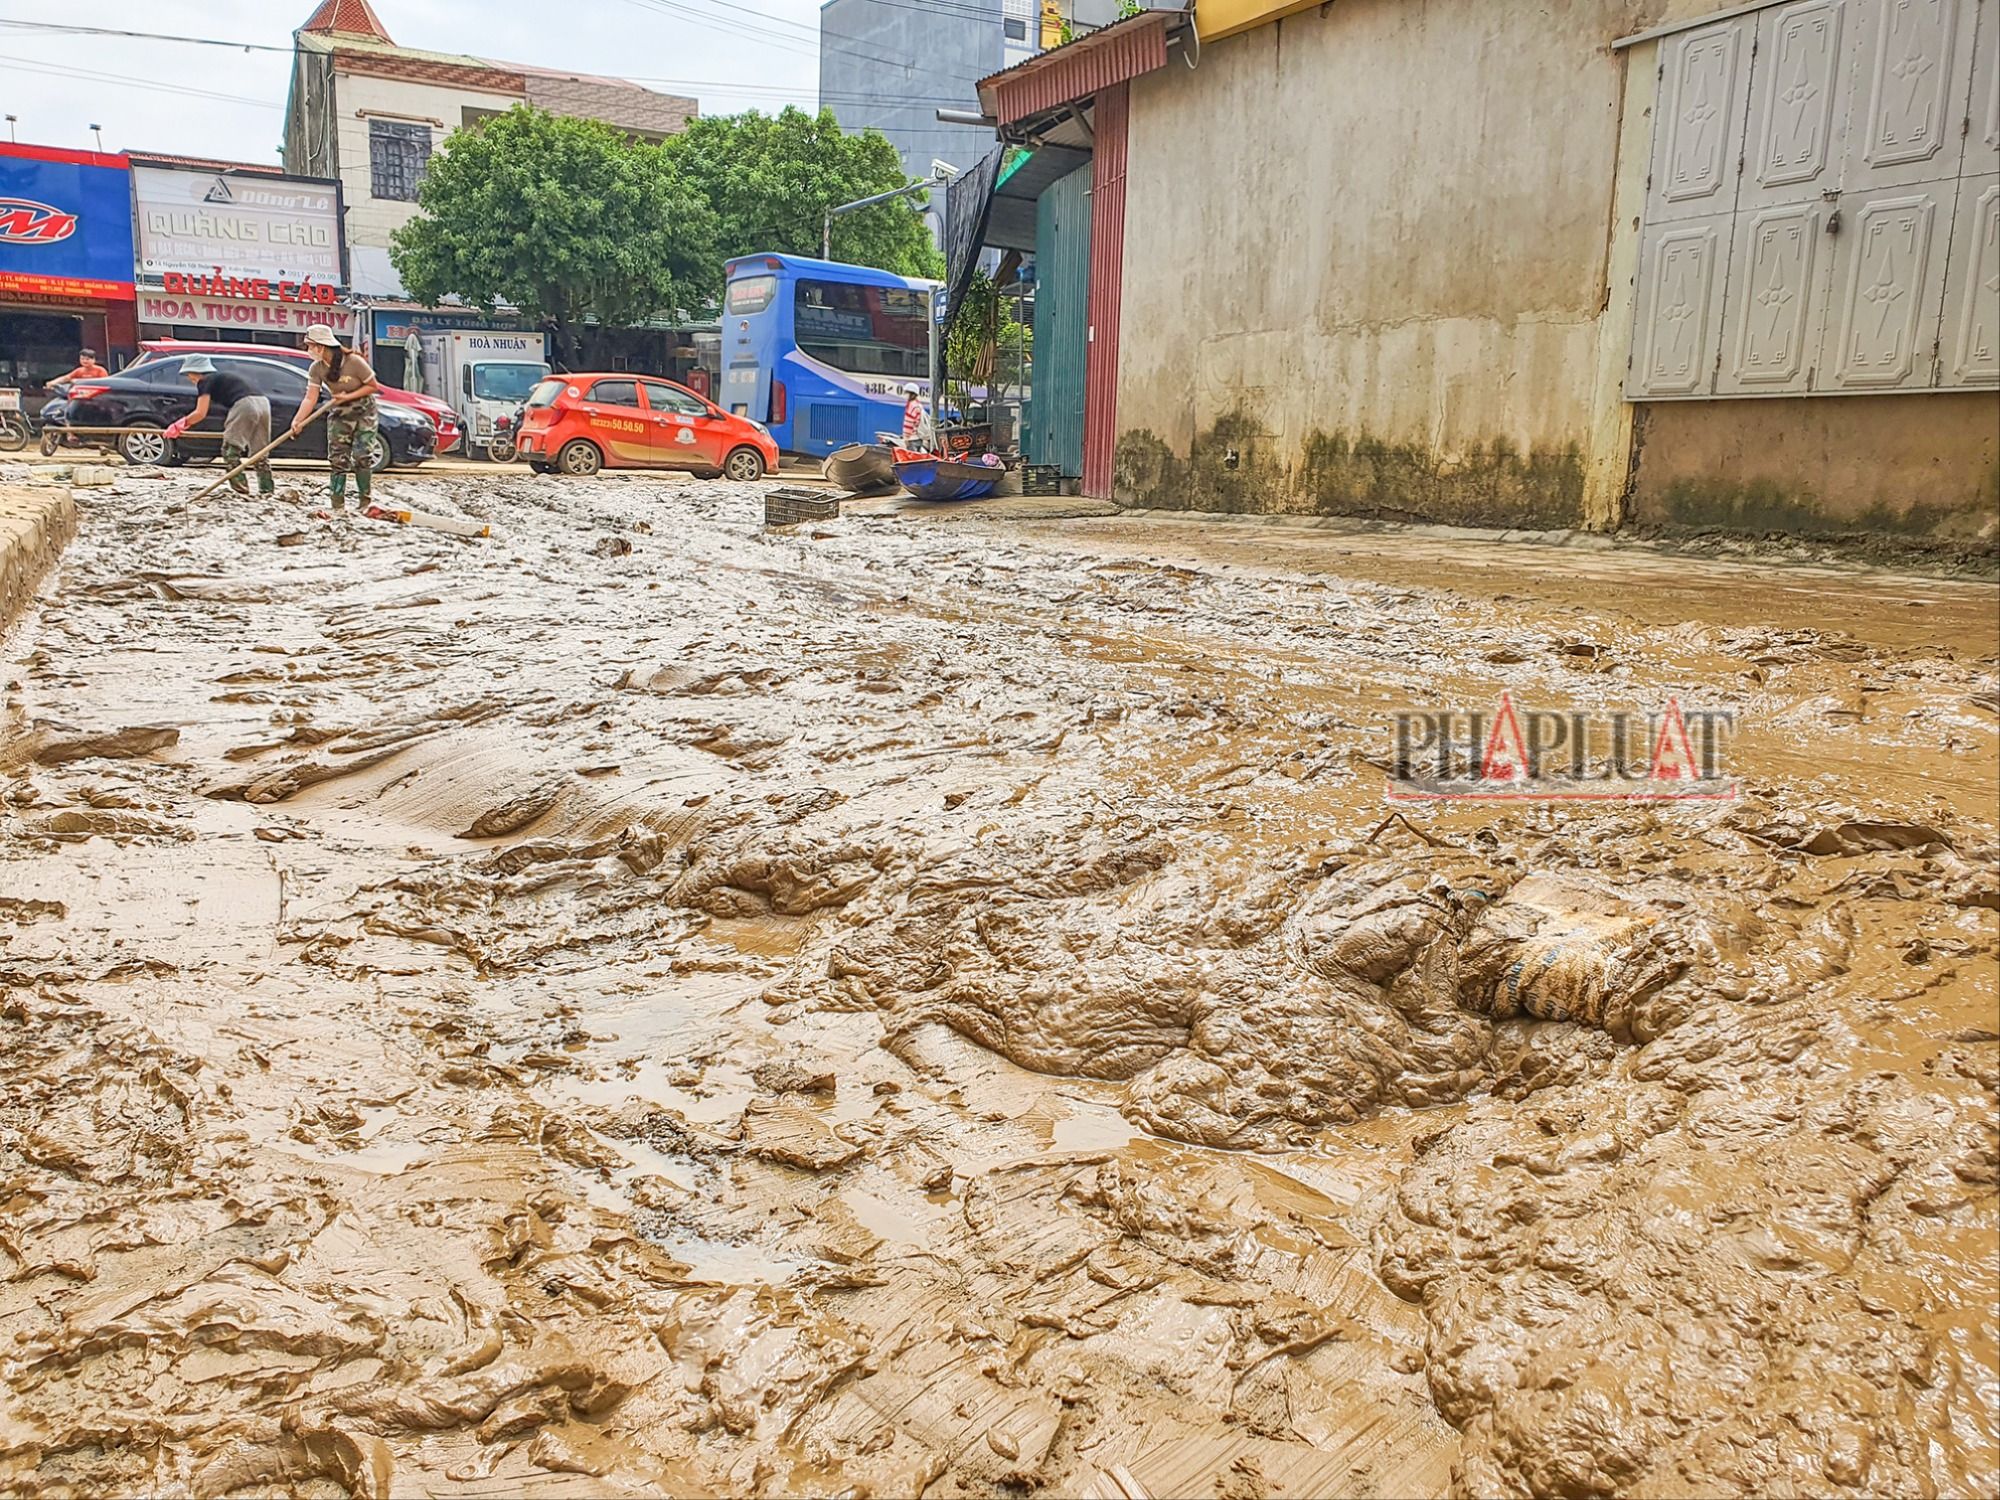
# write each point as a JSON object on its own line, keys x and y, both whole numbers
{"x": 919, "y": 1005}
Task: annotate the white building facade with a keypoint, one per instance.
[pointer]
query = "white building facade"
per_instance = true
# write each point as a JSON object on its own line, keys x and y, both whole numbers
{"x": 370, "y": 114}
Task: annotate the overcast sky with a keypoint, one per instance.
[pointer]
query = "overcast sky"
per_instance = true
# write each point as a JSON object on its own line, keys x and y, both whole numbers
{"x": 214, "y": 101}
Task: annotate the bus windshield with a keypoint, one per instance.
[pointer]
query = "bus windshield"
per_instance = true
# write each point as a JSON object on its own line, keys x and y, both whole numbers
{"x": 862, "y": 330}
{"x": 505, "y": 382}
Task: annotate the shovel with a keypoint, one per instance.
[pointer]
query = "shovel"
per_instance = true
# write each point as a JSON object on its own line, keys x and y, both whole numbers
{"x": 263, "y": 453}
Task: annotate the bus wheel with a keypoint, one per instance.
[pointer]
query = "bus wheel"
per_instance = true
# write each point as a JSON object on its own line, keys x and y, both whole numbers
{"x": 744, "y": 465}
{"x": 579, "y": 459}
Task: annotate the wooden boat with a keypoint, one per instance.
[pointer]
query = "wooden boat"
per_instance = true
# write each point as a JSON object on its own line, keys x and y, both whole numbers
{"x": 864, "y": 468}
{"x": 931, "y": 478}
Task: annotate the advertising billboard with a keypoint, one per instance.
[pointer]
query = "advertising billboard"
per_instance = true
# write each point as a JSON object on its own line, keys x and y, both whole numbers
{"x": 65, "y": 223}
{"x": 241, "y": 225}
{"x": 185, "y": 309}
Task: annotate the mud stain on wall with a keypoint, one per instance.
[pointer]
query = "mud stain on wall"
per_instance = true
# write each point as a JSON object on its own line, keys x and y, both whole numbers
{"x": 1232, "y": 467}
{"x": 1923, "y": 467}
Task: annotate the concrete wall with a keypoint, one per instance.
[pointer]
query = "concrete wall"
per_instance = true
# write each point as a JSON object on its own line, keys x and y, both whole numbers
{"x": 890, "y": 67}
{"x": 1381, "y": 285}
{"x": 1366, "y": 262}
{"x": 1381, "y": 261}
{"x": 1918, "y": 467}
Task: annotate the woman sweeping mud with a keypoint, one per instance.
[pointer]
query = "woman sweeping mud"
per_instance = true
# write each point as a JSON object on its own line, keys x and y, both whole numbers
{"x": 351, "y": 388}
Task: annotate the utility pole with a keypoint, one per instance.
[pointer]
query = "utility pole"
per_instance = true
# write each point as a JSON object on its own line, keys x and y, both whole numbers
{"x": 942, "y": 172}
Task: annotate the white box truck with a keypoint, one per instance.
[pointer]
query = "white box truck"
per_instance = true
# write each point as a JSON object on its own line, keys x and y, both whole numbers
{"x": 483, "y": 376}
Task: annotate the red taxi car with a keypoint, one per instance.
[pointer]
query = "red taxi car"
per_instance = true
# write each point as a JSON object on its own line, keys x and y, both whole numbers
{"x": 578, "y": 424}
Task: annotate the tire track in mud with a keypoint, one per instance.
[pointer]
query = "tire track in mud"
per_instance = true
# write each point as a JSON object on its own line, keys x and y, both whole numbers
{"x": 757, "y": 1015}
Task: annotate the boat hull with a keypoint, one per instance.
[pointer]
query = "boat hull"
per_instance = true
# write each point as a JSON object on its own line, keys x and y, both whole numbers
{"x": 941, "y": 479}
{"x": 864, "y": 468}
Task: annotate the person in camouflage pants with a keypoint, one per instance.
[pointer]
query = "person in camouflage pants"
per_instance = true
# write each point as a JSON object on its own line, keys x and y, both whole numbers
{"x": 351, "y": 388}
{"x": 346, "y": 426}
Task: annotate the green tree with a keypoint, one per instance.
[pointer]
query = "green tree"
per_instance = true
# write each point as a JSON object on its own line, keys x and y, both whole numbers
{"x": 985, "y": 345}
{"x": 771, "y": 179}
{"x": 565, "y": 219}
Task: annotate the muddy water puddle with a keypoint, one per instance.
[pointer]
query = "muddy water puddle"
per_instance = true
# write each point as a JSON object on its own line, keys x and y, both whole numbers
{"x": 943, "y": 1008}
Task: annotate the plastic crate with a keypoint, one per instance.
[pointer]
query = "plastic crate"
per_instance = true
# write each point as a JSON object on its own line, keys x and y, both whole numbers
{"x": 1041, "y": 479}
{"x": 789, "y": 507}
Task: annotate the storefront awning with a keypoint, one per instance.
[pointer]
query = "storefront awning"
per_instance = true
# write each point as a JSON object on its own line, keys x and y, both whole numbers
{"x": 993, "y": 206}
{"x": 1011, "y": 224}
{"x": 1076, "y": 70}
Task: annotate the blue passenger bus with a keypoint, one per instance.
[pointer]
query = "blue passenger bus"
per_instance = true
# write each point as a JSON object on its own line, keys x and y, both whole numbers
{"x": 819, "y": 352}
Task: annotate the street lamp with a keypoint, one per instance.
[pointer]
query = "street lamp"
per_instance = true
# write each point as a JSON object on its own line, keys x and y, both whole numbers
{"x": 98, "y": 131}
{"x": 942, "y": 172}
{"x": 12, "y": 133}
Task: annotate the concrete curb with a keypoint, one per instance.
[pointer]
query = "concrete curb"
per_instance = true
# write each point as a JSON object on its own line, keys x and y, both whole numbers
{"x": 1593, "y": 541}
{"x": 1858, "y": 556}
{"x": 35, "y": 524}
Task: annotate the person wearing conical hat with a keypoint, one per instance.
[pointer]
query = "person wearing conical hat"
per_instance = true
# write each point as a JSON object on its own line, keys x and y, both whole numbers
{"x": 350, "y": 385}
{"x": 246, "y": 421}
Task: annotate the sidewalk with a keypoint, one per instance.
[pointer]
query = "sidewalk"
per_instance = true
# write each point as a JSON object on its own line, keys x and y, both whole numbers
{"x": 35, "y": 523}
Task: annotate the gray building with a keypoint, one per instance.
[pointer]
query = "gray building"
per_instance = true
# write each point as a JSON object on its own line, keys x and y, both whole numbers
{"x": 891, "y": 65}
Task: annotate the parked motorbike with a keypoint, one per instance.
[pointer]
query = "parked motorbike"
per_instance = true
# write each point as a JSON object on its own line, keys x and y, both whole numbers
{"x": 16, "y": 427}
{"x": 505, "y": 447}
{"x": 19, "y": 427}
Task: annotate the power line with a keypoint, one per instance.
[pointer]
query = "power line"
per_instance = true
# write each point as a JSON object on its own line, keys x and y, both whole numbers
{"x": 816, "y": 32}
{"x": 770, "y": 92}
{"x": 143, "y": 36}
{"x": 926, "y": 7}
{"x": 778, "y": 91}
{"x": 777, "y": 38}
{"x": 128, "y": 81}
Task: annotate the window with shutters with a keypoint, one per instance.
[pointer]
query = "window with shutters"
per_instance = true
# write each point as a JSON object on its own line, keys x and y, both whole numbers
{"x": 1823, "y": 206}
{"x": 398, "y": 154}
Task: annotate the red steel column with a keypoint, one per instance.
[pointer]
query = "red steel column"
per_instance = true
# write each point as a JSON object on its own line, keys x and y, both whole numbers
{"x": 1107, "y": 279}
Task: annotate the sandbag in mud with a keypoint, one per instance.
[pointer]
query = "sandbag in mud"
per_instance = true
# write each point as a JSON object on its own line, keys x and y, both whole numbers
{"x": 1565, "y": 949}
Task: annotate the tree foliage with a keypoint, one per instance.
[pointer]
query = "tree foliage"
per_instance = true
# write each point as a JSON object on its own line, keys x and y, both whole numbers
{"x": 985, "y": 345}
{"x": 565, "y": 219}
{"x": 771, "y": 179}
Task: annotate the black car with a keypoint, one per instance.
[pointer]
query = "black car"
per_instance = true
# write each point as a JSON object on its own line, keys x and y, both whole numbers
{"x": 153, "y": 393}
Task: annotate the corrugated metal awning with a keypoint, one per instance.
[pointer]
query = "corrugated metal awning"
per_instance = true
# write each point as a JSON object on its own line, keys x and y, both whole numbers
{"x": 1011, "y": 225}
{"x": 1123, "y": 50}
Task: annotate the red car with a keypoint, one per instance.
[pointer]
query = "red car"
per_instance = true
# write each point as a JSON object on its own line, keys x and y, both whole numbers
{"x": 578, "y": 424}
{"x": 449, "y": 429}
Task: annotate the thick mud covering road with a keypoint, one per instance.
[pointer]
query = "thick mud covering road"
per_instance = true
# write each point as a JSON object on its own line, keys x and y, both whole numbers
{"x": 638, "y": 1005}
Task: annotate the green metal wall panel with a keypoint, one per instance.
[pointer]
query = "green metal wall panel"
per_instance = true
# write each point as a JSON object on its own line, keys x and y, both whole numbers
{"x": 1062, "y": 321}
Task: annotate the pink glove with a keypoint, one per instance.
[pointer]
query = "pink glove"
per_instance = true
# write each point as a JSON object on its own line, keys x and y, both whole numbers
{"x": 177, "y": 428}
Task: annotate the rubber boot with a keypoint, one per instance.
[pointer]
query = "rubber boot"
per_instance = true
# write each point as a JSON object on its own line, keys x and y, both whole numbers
{"x": 267, "y": 483}
{"x": 363, "y": 483}
{"x": 231, "y": 457}
{"x": 340, "y": 492}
